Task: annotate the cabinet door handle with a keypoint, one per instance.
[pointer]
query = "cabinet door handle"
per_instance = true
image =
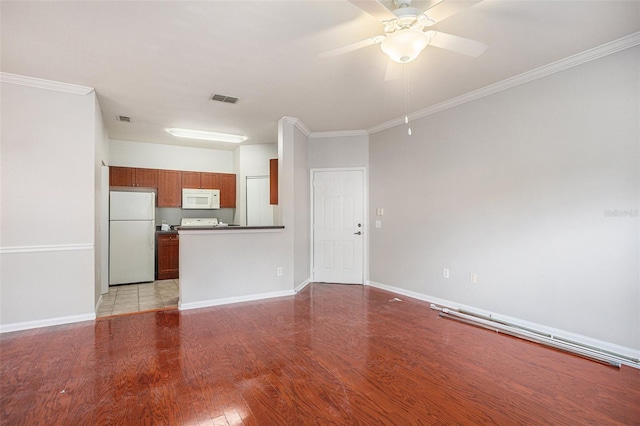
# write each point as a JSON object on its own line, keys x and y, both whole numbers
{"x": 357, "y": 233}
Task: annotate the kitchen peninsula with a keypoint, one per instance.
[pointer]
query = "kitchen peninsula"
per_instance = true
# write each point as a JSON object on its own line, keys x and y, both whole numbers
{"x": 229, "y": 264}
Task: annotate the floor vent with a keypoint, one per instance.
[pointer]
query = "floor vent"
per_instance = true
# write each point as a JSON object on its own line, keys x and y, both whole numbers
{"x": 224, "y": 98}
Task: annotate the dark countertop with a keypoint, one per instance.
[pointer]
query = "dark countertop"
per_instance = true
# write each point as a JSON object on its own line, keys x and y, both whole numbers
{"x": 171, "y": 230}
{"x": 224, "y": 228}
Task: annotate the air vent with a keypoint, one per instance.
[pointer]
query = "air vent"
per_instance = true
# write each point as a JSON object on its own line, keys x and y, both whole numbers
{"x": 224, "y": 98}
{"x": 124, "y": 118}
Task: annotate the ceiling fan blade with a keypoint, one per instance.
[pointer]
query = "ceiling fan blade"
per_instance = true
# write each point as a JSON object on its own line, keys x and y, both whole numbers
{"x": 429, "y": 4}
{"x": 351, "y": 47}
{"x": 374, "y": 8}
{"x": 394, "y": 70}
{"x": 457, "y": 44}
{"x": 443, "y": 9}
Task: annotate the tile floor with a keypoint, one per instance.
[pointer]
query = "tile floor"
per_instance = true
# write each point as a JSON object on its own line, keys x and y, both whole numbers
{"x": 124, "y": 299}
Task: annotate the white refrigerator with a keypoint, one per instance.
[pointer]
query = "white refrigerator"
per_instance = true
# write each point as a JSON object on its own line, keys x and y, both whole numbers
{"x": 131, "y": 237}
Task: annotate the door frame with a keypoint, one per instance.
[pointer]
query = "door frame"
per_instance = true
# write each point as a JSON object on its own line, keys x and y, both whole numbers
{"x": 365, "y": 217}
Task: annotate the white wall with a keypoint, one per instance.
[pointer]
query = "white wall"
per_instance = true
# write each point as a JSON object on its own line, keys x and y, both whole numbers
{"x": 301, "y": 206}
{"x": 219, "y": 265}
{"x": 516, "y": 188}
{"x": 47, "y": 205}
{"x": 251, "y": 160}
{"x": 101, "y": 207}
{"x": 168, "y": 157}
{"x": 339, "y": 151}
{"x": 227, "y": 265}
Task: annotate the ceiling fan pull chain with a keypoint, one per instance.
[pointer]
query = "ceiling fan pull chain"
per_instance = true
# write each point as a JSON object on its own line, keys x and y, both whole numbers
{"x": 406, "y": 83}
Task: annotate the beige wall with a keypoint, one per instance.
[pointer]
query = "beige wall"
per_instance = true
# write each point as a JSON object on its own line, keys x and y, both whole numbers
{"x": 47, "y": 205}
{"x": 515, "y": 187}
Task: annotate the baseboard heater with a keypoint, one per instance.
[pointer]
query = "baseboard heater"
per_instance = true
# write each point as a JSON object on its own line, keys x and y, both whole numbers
{"x": 586, "y": 351}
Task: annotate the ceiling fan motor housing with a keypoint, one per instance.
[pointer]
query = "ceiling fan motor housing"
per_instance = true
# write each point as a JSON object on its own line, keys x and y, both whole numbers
{"x": 402, "y": 3}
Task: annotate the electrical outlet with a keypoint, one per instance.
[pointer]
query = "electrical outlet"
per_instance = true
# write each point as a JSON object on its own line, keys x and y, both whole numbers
{"x": 279, "y": 272}
{"x": 474, "y": 278}
{"x": 445, "y": 273}
{"x": 378, "y": 224}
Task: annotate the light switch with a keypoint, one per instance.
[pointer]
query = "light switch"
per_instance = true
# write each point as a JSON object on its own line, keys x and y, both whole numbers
{"x": 379, "y": 211}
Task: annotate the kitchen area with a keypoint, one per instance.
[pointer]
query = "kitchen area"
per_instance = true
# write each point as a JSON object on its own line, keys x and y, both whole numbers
{"x": 148, "y": 207}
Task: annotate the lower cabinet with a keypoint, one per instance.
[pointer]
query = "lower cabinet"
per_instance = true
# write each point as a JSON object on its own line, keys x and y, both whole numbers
{"x": 167, "y": 262}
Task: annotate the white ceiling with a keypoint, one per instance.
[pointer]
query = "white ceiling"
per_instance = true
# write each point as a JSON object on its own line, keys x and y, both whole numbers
{"x": 159, "y": 62}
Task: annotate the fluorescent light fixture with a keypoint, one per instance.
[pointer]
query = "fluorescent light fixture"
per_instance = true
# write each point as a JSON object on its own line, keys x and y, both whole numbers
{"x": 207, "y": 136}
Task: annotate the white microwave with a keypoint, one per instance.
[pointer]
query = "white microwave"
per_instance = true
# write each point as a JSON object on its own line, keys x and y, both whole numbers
{"x": 201, "y": 199}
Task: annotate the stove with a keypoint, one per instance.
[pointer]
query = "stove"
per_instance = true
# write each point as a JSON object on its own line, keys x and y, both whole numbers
{"x": 202, "y": 222}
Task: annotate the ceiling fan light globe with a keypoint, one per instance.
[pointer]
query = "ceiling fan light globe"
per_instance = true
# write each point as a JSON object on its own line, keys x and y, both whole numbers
{"x": 405, "y": 45}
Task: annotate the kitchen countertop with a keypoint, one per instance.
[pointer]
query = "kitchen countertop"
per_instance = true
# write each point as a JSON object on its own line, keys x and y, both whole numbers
{"x": 225, "y": 228}
{"x": 170, "y": 231}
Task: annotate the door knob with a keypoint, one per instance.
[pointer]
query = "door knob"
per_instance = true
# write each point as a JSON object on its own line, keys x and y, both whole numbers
{"x": 357, "y": 233}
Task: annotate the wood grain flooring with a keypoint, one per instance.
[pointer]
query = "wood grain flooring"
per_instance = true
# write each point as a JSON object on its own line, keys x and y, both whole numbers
{"x": 332, "y": 355}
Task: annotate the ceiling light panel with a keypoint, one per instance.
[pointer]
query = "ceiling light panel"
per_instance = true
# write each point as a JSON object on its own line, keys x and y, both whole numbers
{"x": 207, "y": 136}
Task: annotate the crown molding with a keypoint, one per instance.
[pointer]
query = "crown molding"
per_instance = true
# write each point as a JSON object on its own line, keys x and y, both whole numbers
{"x": 44, "y": 84}
{"x": 545, "y": 70}
{"x": 338, "y": 134}
{"x": 298, "y": 124}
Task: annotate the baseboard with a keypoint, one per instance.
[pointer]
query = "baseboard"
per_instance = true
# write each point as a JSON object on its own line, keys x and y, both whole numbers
{"x": 28, "y": 325}
{"x": 302, "y": 285}
{"x": 229, "y": 300}
{"x": 99, "y": 303}
{"x": 584, "y": 340}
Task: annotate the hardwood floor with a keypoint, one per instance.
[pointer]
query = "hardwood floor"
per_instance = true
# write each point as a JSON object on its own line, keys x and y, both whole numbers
{"x": 333, "y": 354}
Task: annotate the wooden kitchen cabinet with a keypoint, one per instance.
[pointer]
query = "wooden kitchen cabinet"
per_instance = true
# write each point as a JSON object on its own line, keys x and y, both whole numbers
{"x": 200, "y": 180}
{"x": 169, "y": 188}
{"x": 191, "y": 180}
{"x": 168, "y": 255}
{"x": 273, "y": 181}
{"x": 122, "y": 176}
{"x": 129, "y": 176}
{"x": 147, "y": 178}
{"x": 169, "y": 183}
{"x": 227, "y": 190}
{"x": 210, "y": 180}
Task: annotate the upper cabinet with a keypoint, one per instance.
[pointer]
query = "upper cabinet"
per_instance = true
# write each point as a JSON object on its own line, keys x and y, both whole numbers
{"x": 201, "y": 180}
{"x": 210, "y": 181}
{"x": 169, "y": 183}
{"x": 122, "y": 176}
{"x": 273, "y": 181}
{"x": 227, "y": 190}
{"x": 127, "y": 176}
{"x": 147, "y": 178}
{"x": 191, "y": 180}
{"x": 169, "y": 188}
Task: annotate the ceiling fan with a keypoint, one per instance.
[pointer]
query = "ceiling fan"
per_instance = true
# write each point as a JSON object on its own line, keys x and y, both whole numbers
{"x": 407, "y": 30}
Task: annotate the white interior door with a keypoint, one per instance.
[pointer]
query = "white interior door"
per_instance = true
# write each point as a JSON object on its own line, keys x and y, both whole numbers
{"x": 259, "y": 210}
{"x": 338, "y": 226}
